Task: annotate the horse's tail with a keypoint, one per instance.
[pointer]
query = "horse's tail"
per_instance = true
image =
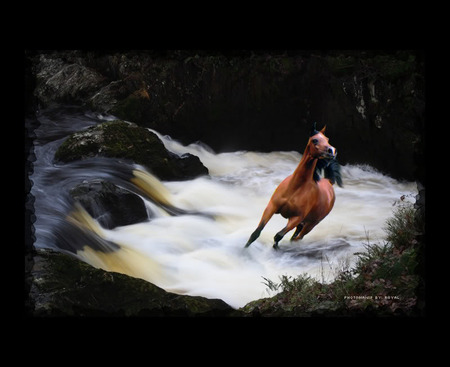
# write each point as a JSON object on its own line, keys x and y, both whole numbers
{"x": 333, "y": 172}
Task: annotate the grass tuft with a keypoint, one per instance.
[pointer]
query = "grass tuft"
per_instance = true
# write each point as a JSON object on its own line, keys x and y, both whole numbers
{"x": 382, "y": 282}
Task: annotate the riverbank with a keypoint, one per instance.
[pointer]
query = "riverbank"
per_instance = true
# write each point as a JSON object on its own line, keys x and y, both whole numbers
{"x": 387, "y": 279}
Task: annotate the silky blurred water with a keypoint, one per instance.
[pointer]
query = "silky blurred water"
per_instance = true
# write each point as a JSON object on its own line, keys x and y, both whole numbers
{"x": 205, "y": 255}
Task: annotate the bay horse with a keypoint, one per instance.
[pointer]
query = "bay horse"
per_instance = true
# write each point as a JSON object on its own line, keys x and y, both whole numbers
{"x": 304, "y": 198}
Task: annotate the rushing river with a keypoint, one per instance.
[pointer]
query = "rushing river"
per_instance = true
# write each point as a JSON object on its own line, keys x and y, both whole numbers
{"x": 204, "y": 255}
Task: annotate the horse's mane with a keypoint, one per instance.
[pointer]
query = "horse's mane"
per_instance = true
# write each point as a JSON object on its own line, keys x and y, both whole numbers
{"x": 332, "y": 171}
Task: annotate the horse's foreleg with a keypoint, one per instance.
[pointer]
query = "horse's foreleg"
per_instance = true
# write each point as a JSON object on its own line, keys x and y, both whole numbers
{"x": 292, "y": 223}
{"x": 254, "y": 235}
{"x": 268, "y": 213}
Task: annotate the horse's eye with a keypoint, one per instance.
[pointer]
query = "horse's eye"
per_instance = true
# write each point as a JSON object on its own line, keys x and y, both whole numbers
{"x": 315, "y": 141}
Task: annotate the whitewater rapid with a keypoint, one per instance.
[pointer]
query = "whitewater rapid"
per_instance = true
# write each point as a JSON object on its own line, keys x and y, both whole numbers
{"x": 204, "y": 255}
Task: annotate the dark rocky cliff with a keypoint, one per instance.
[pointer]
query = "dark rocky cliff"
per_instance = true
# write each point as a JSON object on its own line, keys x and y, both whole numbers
{"x": 373, "y": 102}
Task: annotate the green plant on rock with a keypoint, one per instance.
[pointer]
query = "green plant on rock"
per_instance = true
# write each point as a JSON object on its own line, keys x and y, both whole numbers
{"x": 400, "y": 228}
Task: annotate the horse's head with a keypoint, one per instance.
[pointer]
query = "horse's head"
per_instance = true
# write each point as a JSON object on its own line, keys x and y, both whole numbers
{"x": 319, "y": 146}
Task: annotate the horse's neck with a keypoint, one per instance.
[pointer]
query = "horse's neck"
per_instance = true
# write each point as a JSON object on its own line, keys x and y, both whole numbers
{"x": 304, "y": 171}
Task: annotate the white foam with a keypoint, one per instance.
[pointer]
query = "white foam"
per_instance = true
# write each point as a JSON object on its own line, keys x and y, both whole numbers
{"x": 204, "y": 256}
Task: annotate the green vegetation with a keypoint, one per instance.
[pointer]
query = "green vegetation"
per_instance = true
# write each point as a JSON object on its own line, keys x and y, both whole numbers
{"x": 396, "y": 67}
{"x": 390, "y": 66}
{"x": 383, "y": 281}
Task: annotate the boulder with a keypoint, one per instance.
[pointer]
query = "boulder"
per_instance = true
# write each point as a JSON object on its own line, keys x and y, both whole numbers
{"x": 109, "y": 204}
{"x": 61, "y": 285}
{"x": 120, "y": 139}
{"x": 65, "y": 82}
{"x": 136, "y": 106}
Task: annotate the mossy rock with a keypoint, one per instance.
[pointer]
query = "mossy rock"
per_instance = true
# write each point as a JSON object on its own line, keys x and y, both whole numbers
{"x": 62, "y": 285}
{"x": 116, "y": 139}
{"x": 136, "y": 107}
{"x": 120, "y": 139}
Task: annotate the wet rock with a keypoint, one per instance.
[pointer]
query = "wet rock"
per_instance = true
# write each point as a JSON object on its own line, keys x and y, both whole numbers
{"x": 60, "y": 81}
{"x": 135, "y": 107}
{"x": 119, "y": 139}
{"x": 109, "y": 204}
{"x": 189, "y": 164}
{"x": 108, "y": 96}
{"x": 62, "y": 285}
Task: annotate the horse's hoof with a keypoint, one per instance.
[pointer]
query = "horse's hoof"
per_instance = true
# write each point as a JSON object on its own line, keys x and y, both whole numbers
{"x": 275, "y": 246}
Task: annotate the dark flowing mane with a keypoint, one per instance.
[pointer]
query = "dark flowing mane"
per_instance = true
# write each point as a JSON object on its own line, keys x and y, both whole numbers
{"x": 332, "y": 171}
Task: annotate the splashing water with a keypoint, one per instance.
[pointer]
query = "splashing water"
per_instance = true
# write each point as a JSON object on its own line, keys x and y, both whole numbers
{"x": 204, "y": 255}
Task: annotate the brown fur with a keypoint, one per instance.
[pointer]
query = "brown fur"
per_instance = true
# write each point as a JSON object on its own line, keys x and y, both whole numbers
{"x": 300, "y": 199}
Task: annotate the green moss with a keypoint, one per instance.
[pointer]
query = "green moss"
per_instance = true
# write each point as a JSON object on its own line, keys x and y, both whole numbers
{"x": 116, "y": 139}
{"x": 133, "y": 108}
{"x": 133, "y": 142}
{"x": 392, "y": 67}
{"x": 71, "y": 149}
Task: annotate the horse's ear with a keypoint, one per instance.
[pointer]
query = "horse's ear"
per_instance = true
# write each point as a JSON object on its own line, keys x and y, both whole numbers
{"x": 323, "y": 130}
{"x": 313, "y": 130}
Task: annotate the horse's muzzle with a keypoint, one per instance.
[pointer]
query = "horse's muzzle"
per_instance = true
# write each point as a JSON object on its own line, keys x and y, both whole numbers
{"x": 331, "y": 152}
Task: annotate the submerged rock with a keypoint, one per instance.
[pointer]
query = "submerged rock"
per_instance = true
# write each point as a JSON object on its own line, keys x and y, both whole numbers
{"x": 120, "y": 139}
{"x": 61, "y": 285}
{"x": 109, "y": 204}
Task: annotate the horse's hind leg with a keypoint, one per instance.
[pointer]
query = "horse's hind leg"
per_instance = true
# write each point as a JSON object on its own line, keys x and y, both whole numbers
{"x": 292, "y": 223}
{"x": 297, "y": 231}
{"x": 307, "y": 227}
